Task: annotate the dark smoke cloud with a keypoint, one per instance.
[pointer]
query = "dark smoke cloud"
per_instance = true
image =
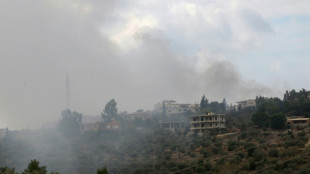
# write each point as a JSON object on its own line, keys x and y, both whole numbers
{"x": 41, "y": 41}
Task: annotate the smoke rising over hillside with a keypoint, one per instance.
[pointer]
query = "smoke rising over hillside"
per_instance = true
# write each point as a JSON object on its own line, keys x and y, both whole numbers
{"x": 122, "y": 50}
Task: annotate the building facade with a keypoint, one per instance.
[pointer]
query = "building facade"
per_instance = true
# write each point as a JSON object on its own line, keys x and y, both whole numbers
{"x": 143, "y": 115}
{"x": 170, "y": 107}
{"x": 297, "y": 121}
{"x": 207, "y": 123}
{"x": 246, "y": 104}
{"x": 174, "y": 126}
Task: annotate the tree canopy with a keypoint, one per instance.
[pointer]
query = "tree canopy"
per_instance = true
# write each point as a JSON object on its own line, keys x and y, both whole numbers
{"x": 260, "y": 119}
{"x": 33, "y": 167}
{"x": 110, "y": 111}
{"x": 203, "y": 102}
{"x": 277, "y": 121}
{"x": 70, "y": 123}
{"x": 213, "y": 106}
{"x": 293, "y": 104}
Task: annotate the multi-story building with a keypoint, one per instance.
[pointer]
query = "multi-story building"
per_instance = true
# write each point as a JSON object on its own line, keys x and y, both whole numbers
{"x": 143, "y": 115}
{"x": 246, "y": 104}
{"x": 207, "y": 123}
{"x": 177, "y": 125}
{"x": 170, "y": 107}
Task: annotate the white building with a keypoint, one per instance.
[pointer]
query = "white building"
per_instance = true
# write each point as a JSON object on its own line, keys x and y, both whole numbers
{"x": 170, "y": 107}
{"x": 143, "y": 115}
{"x": 246, "y": 104}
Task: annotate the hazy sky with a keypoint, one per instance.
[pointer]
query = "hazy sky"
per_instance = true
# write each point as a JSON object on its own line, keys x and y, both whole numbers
{"x": 141, "y": 52}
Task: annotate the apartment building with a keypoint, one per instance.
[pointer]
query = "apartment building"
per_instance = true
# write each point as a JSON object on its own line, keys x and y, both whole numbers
{"x": 207, "y": 123}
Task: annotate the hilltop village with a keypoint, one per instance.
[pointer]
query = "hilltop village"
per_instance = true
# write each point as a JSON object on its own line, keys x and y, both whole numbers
{"x": 261, "y": 135}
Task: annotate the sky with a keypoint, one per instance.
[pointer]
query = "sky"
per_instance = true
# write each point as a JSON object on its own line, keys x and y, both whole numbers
{"x": 142, "y": 52}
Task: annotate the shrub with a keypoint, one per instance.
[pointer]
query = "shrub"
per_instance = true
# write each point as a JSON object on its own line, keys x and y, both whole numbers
{"x": 215, "y": 150}
{"x": 204, "y": 153}
{"x": 304, "y": 170}
{"x": 259, "y": 155}
{"x": 273, "y": 152}
{"x": 243, "y": 135}
{"x": 232, "y": 145}
{"x": 252, "y": 165}
{"x": 250, "y": 148}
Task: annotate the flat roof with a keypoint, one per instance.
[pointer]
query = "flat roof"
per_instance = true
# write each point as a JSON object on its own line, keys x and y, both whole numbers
{"x": 298, "y": 118}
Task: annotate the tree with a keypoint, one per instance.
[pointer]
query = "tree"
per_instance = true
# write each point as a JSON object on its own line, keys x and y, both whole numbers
{"x": 103, "y": 170}
{"x": 260, "y": 119}
{"x": 70, "y": 123}
{"x": 6, "y": 170}
{"x": 110, "y": 111}
{"x": 286, "y": 96}
{"x": 202, "y": 102}
{"x": 224, "y": 104}
{"x": 34, "y": 168}
{"x": 269, "y": 105}
{"x": 277, "y": 121}
{"x": 216, "y": 107}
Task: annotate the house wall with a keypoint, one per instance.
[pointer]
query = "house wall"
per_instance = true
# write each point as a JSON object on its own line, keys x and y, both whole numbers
{"x": 293, "y": 122}
{"x": 171, "y": 107}
{"x": 206, "y": 122}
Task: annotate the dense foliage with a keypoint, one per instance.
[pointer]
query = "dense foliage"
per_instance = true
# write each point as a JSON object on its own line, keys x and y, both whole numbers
{"x": 273, "y": 111}
{"x": 214, "y": 106}
{"x": 70, "y": 123}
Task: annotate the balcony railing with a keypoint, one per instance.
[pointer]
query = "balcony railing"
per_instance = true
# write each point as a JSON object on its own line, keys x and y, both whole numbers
{"x": 206, "y": 121}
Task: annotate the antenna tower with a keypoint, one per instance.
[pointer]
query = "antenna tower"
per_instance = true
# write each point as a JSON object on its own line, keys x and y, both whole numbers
{"x": 68, "y": 96}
